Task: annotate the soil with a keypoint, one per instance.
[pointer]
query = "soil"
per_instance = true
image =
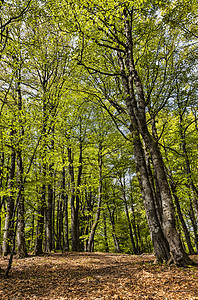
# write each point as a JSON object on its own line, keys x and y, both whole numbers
{"x": 96, "y": 276}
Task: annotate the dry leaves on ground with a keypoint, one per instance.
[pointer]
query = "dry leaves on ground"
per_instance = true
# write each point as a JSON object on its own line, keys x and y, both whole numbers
{"x": 96, "y": 276}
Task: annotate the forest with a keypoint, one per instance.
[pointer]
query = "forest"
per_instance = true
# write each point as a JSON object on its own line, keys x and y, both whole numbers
{"x": 99, "y": 127}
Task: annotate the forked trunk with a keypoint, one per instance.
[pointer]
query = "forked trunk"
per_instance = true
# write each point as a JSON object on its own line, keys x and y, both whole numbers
{"x": 179, "y": 256}
{"x": 160, "y": 244}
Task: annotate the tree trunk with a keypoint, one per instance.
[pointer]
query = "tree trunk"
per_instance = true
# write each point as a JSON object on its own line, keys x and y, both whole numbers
{"x": 48, "y": 219}
{"x": 57, "y": 225}
{"x": 32, "y": 232}
{"x": 1, "y": 198}
{"x": 75, "y": 195}
{"x": 137, "y": 106}
{"x": 194, "y": 225}
{"x": 134, "y": 222}
{"x": 192, "y": 187}
{"x": 9, "y": 222}
{"x": 42, "y": 201}
{"x": 21, "y": 245}
{"x": 74, "y": 206}
{"x": 140, "y": 239}
{"x": 105, "y": 233}
{"x": 185, "y": 229}
{"x": 60, "y": 227}
{"x": 169, "y": 226}
{"x": 40, "y": 223}
{"x": 97, "y": 217}
{"x": 48, "y": 212}
{"x": 115, "y": 238}
{"x": 155, "y": 186}
{"x": 127, "y": 214}
{"x": 137, "y": 116}
{"x": 160, "y": 244}
{"x": 65, "y": 203}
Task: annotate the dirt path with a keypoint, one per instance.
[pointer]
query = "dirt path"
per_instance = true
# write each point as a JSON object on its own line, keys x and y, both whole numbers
{"x": 96, "y": 276}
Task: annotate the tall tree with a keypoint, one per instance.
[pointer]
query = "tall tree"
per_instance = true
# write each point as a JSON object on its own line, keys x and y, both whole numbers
{"x": 124, "y": 56}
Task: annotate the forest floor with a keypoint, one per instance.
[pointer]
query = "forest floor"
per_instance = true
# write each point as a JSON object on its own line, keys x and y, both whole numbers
{"x": 96, "y": 276}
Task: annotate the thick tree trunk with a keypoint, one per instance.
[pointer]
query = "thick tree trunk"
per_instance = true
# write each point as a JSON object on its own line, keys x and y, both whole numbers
{"x": 9, "y": 224}
{"x": 139, "y": 110}
{"x": 169, "y": 227}
{"x": 136, "y": 112}
{"x": 160, "y": 244}
{"x": 154, "y": 184}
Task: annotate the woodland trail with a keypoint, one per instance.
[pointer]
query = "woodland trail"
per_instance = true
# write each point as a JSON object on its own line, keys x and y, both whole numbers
{"x": 96, "y": 276}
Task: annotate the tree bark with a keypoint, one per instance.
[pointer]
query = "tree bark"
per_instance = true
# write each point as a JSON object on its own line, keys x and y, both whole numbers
{"x": 154, "y": 185}
{"x": 160, "y": 244}
{"x": 168, "y": 217}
